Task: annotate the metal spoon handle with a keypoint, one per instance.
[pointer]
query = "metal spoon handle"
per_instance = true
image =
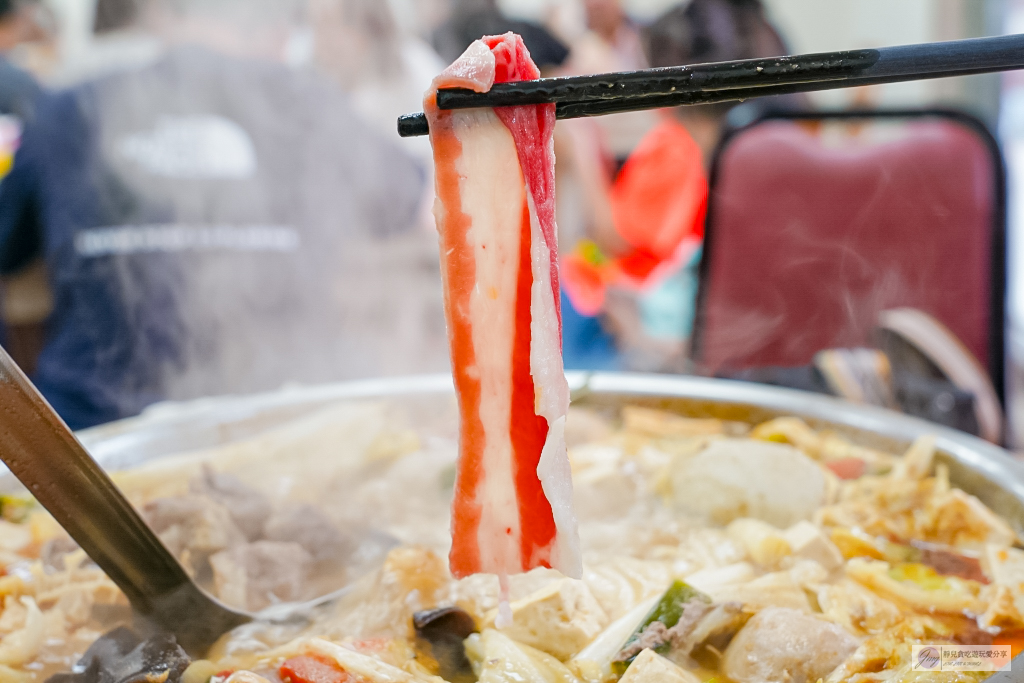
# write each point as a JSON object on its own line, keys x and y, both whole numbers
{"x": 43, "y": 453}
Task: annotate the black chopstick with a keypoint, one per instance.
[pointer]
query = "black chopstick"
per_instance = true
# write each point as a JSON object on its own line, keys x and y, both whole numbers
{"x": 727, "y": 81}
{"x": 717, "y": 76}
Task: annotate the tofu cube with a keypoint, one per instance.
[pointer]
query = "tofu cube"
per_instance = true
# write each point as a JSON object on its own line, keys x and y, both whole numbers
{"x": 734, "y": 478}
{"x": 559, "y": 619}
{"x": 650, "y": 667}
{"x": 809, "y": 542}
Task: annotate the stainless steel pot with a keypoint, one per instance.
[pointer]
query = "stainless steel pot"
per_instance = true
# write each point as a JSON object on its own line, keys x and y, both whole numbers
{"x": 976, "y": 466}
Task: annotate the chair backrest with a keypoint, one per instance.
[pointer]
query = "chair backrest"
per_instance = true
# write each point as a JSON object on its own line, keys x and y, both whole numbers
{"x": 818, "y": 222}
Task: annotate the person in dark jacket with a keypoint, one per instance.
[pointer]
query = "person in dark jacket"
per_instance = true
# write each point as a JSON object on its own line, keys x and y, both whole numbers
{"x": 203, "y": 220}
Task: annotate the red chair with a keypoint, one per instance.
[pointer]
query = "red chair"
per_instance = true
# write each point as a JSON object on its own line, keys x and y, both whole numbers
{"x": 818, "y": 222}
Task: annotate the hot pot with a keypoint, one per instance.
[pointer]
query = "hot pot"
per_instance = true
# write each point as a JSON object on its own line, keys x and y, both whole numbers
{"x": 976, "y": 466}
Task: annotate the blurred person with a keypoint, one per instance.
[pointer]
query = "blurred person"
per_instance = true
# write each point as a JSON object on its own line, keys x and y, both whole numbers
{"x": 213, "y": 222}
{"x": 612, "y": 43}
{"x": 18, "y": 25}
{"x": 24, "y": 296}
{"x": 589, "y": 156}
{"x": 631, "y": 282}
{"x": 472, "y": 19}
{"x": 18, "y": 89}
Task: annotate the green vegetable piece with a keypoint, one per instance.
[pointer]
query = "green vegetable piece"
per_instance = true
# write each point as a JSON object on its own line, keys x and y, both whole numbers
{"x": 670, "y": 608}
{"x": 668, "y": 611}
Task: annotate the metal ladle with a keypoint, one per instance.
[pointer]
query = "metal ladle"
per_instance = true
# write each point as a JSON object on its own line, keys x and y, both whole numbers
{"x": 45, "y": 455}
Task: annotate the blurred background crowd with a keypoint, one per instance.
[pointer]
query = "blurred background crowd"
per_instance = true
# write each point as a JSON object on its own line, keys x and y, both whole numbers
{"x": 208, "y": 196}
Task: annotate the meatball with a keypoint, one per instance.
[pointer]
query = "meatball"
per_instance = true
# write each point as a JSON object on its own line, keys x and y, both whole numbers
{"x": 734, "y": 478}
{"x": 781, "y": 644}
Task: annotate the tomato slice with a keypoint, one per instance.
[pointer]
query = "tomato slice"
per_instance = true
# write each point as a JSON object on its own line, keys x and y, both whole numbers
{"x": 306, "y": 669}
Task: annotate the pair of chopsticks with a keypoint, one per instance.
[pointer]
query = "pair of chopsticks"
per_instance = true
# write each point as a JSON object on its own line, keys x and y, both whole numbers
{"x": 580, "y": 96}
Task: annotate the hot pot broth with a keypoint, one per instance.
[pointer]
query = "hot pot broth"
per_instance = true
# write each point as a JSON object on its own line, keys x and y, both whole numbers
{"x": 750, "y": 513}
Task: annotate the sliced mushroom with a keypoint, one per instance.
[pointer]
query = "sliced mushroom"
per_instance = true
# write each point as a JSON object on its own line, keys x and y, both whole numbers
{"x": 445, "y": 629}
